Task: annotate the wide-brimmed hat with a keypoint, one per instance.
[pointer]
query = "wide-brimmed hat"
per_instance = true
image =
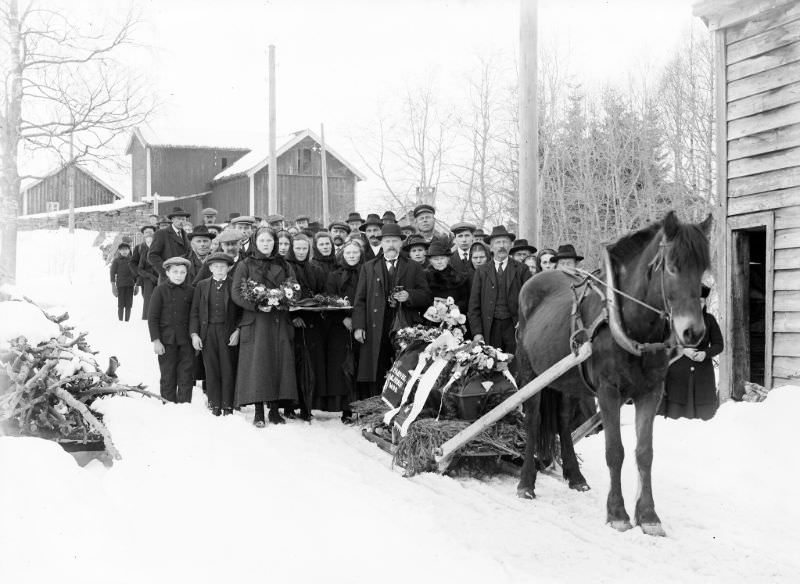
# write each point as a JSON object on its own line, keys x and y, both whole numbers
{"x": 463, "y": 226}
{"x": 415, "y": 240}
{"x": 372, "y": 219}
{"x": 389, "y": 217}
{"x": 208, "y": 211}
{"x": 438, "y": 248}
{"x": 339, "y": 225}
{"x": 391, "y": 230}
{"x": 148, "y": 226}
{"x": 500, "y": 231}
{"x": 219, "y": 257}
{"x": 408, "y": 227}
{"x": 176, "y": 261}
{"x": 200, "y": 231}
{"x": 424, "y": 208}
{"x": 229, "y": 235}
{"x": 522, "y": 244}
{"x": 354, "y": 216}
{"x": 566, "y": 252}
{"x": 243, "y": 219}
{"x": 178, "y": 212}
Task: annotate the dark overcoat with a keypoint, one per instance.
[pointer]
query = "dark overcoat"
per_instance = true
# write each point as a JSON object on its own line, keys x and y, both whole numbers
{"x": 198, "y": 321}
{"x": 205, "y": 271}
{"x": 371, "y": 255}
{"x": 460, "y": 265}
{"x": 196, "y": 267}
{"x": 449, "y": 282}
{"x": 483, "y": 297}
{"x": 168, "y": 316}
{"x": 341, "y": 282}
{"x": 167, "y": 244}
{"x": 370, "y": 306}
{"x": 691, "y": 389}
{"x": 136, "y": 258}
{"x": 266, "y": 370}
{"x": 121, "y": 272}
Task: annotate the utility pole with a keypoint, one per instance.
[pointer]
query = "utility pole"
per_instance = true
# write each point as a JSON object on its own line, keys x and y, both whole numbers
{"x": 324, "y": 167}
{"x": 71, "y": 179}
{"x": 529, "y": 219}
{"x": 272, "y": 171}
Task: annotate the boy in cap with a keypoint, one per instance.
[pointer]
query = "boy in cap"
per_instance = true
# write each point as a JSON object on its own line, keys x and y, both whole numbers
{"x": 168, "y": 322}
{"x": 122, "y": 281}
{"x": 463, "y": 235}
{"x": 230, "y": 243}
{"x": 213, "y": 329}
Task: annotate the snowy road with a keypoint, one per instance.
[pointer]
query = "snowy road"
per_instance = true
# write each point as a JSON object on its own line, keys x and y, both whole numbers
{"x": 203, "y": 499}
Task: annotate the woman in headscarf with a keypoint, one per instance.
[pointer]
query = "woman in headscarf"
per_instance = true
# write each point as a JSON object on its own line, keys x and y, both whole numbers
{"x": 310, "y": 337}
{"x": 341, "y": 387}
{"x": 284, "y": 243}
{"x": 266, "y": 368}
{"x": 324, "y": 252}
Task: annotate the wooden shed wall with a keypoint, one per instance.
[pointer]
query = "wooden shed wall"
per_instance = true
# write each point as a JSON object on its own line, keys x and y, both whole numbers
{"x": 138, "y": 170}
{"x": 230, "y": 196}
{"x": 187, "y": 171}
{"x": 54, "y": 188}
{"x": 759, "y": 94}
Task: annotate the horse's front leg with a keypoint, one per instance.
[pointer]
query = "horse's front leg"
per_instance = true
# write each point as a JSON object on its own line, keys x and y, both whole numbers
{"x": 645, "y": 513}
{"x": 610, "y": 403}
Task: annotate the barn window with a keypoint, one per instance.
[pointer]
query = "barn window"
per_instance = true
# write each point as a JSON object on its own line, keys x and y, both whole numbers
{"x": 52, "y": 206}
{"x": 224, "y": 163}
{"x": 304, "y": 161}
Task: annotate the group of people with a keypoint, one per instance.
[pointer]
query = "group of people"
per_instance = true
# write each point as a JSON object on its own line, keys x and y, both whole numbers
{"x": 204, "y": 327}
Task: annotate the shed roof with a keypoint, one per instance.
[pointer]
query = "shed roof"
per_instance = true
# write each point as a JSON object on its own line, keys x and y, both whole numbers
{"x": 175, "y": 138}
{"x": 30, "y": 182}
{"x": 258, "y": 158}
{"x": 724, "y": 13}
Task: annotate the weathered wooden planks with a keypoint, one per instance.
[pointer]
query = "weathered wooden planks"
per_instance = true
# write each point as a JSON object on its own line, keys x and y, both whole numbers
{"x": 786, "y": 367}
{"x": 786, "y": 345}
{"x": 764, "y": 201}
{"x": 778, "y": 36}
{"x": 786, "y": 322}
{"x": 787, "y": 238}
{"x": 767, "y": 181}
{"x": 762, "y": 22}
{"x": 762, "y": 102}
{"x": 764, "y": 163}
{"x": 787, "y": 259}
{"x": 764, "y": 142}
{"x": 787, "y": 301}
{"x": 776, "y": 118}
{"x": 765, "y": 62}
{"x": 787, "y": 280}
{"x": 787, "y": 217}
{"x": 780, "y": 381}
{"x": 764, "y": 81}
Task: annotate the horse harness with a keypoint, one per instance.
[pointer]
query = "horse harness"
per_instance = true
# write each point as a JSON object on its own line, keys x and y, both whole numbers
{"x": 591, "y": 283}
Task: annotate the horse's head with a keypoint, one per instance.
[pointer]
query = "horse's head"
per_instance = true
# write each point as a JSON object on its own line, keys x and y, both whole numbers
{"x": 684, "y": 258}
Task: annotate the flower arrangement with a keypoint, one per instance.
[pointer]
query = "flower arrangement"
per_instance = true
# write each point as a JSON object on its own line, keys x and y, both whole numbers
{"x": 281, "y": 298}
{"x": 410, "y": 334}
{"x": 445, "y": 312}
{"x": 322, "y": 300}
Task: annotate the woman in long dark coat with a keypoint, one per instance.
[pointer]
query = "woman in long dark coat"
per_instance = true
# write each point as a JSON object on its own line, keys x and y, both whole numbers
{"x": 343, "y": 281}
{"x": 324, "y": 253}
{"x": 691, "y": 389}
{"x": 310, "y": 338}
{"x": 266, "y": 371}
{"x": 443, "y": 279}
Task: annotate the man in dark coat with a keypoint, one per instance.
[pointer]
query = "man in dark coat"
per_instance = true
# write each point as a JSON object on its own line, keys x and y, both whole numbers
{"x": 494, "y": 299}
{"x": 146, "y": 274}
{"x": 168, "y": 322}
{"x": 230, "y": 243}
{"x": 372, "y": 230}
{"x": 386, "y": 284}
{"x": 200, "y": 241}
{"x": 170, "y": 242}
{"x": 463, "y": 236}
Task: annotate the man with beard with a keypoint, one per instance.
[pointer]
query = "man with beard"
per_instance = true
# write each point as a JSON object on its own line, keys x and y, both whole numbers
{"x": 230, "y": 242}
{"x": 372, "y": 229}
{"x": 386, "y": 284}
{"x": 354, "y": 221}
{"x": 339, "y": 233}
{"x": 463, "y": 234}
{"x": 209, "y": 216}
{"x": 169, "y": 242}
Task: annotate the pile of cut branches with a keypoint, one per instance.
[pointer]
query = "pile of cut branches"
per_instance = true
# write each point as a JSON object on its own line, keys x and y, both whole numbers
{"x": 47, "y": 390}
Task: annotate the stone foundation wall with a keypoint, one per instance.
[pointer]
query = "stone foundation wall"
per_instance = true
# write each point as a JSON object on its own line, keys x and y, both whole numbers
{"x": 123, "y": 220}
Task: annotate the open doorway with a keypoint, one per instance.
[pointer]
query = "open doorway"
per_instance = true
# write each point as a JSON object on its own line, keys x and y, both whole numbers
{"x": 749, "y": 307}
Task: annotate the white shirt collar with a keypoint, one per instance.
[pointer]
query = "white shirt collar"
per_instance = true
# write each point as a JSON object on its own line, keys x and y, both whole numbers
{"x": 500, "y": 264}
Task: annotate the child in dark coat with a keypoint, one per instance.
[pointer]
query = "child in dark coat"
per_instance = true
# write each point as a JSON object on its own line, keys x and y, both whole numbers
{"x": 213, "y": 326}
{"x": 168, "y": 321}
{"x": 122, "y": 281}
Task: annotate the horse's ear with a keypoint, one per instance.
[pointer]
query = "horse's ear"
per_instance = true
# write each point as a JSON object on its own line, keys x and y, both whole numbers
{"x": 705, "y": 226}
{"x": 670, "y": 225}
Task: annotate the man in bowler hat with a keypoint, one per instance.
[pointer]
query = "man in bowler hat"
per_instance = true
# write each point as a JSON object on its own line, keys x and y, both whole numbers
{"x": 566, "y": 257}
{"x": 170, "y": 242}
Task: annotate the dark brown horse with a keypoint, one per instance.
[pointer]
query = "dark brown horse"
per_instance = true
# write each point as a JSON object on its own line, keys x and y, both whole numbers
{"x": 660, "y": 265}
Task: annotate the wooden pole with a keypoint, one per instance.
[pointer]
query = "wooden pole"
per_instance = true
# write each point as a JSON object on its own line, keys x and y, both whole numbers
{"x": 528, "y": 125}
{"x": 444, "y": 455}
{"x": 272, "y": 171}
{"x": 71, "y": 181}
{"x": 325, "y": 200}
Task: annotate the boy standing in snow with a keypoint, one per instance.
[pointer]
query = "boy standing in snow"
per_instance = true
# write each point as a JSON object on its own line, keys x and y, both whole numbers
{"x": 213, "y": 327}
{"x": 168, "y": 321}
{"x": 122, "y": 281}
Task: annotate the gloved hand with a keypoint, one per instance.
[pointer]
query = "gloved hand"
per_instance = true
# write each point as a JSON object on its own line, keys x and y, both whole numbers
{"x": 114, "y": 290}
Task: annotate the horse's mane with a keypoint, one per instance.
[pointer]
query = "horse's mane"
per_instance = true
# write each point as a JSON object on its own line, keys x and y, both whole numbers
{"x": 689, "y": 245}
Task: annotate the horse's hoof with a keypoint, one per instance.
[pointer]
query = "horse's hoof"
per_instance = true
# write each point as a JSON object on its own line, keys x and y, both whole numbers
{"x": 621, "y": 525}
{"x": 582, "y": 487}
{"x": 525, "y": 493}
{"x": 653, "y": 529}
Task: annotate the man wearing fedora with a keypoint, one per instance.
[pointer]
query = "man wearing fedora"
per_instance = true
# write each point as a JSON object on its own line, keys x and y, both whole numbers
{"x": 566, "y": 257}
{"x": 372, "y": 230}
{"x": 386, "y": 284}
{"x": 230, "y": 243}
{"x": 494, "y": 299}
{"x": 354, "y": 221}
{"x": 463, "y": 236}
{"x": 522, "y": 250}
{"x": 200, "y": 241}
{"x": 388, "y": 217}
{"x": 170, "y": 242}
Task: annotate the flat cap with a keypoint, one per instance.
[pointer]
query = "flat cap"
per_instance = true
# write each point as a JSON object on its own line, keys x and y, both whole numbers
{"x": 177, "y": 261}
{"x": 208, "y": 211}
{"x": 424, "y": 208}
{"x": 219, "y": 257}
{"x": 463, "y": 226}
{"x": 243, "y": 219}
{"x": 229, "y": 235}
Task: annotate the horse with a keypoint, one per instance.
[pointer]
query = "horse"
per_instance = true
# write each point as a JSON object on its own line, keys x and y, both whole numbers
{"x": 644, "y": 299}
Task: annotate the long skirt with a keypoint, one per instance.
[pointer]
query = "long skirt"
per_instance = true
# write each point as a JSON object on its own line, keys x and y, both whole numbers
{"x": 266, "y": 359}
{"x": 342, "y": 352}
{"x": 310, "y": 352}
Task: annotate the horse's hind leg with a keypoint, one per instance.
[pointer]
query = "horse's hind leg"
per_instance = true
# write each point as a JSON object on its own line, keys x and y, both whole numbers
{"x": 569, "y": 461}
{"x": 527, "y": 480}
{"x": 645, "y": 513}
{"x": 610, "y": 403}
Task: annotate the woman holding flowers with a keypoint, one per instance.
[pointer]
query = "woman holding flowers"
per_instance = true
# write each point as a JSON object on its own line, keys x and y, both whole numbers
{"x": 266, "y": 370}
{"x": 443, "y": 279}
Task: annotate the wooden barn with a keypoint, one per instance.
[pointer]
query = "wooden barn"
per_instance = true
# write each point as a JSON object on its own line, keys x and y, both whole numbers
{"x": 174, "y": 167}
{"x": 51, "y": 192}
{"x": 758, "y": 155}
{"x": 243, "y": 186}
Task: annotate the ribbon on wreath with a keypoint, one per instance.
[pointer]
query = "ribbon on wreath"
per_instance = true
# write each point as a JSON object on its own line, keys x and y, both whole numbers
{"x": 409, "y": 387}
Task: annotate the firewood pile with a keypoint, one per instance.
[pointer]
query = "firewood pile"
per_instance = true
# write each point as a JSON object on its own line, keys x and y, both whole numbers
{"x": 47, "y": 390}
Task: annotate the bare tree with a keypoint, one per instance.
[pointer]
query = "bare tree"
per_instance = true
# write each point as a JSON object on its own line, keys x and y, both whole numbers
{"x": 64, "y": 95}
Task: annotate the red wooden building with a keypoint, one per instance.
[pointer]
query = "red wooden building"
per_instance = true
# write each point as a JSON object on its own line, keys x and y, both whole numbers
{"x": 51, "y": 192}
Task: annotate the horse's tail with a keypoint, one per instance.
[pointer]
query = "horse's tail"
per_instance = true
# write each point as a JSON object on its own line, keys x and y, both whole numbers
{"x": 547, "y": 448}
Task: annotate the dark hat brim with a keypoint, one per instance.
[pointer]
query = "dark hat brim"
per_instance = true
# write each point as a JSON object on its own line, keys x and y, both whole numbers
{"x": 569, "y": 256}
{"x": 368, "y": 223}
{"x": 492, "y": 236}
{"x": 143, "y": 227}
{"x": 194, "y": 234}
{"x": 399, "y": 235}
{"x": 515, "y": 249}
{"x": 410, "y": 244}
{"x": 181, "y": 214}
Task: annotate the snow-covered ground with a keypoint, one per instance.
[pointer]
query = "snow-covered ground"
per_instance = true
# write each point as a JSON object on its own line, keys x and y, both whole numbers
{"x": 203, "y": 499}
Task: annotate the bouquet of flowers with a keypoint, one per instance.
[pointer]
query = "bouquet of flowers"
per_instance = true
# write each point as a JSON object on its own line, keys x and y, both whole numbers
{"x": 281, "y": 298}
{"x": 447, "y": 314}
{"x": 405, "y": 336}
{"x": 325, "y": 300}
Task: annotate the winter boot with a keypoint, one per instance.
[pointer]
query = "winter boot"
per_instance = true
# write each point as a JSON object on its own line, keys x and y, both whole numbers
{"x": 275, "y": 416}
{"x": 347, "y": 417}
{"x": 216, "y": 411}
{"x": 258, "y": 421}
{"x": 289, "y": 413}
{"x": 227, "y": 411}
{"x": 304, "y": 415}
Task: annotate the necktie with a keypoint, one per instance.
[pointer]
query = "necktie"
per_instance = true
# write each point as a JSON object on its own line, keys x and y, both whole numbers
{"x": 500, "y": 269}
{"x": 391, "y": 268}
